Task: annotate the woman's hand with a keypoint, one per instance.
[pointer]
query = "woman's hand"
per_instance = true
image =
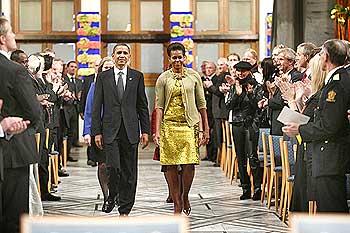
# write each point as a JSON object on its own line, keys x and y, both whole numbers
{"x": 87, "y": 139}
{"x": 156, "y": 139}
{"x": 238, "y": 88}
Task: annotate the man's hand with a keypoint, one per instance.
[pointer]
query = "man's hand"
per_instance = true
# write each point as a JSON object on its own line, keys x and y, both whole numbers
{"x": 207, "y": 84}
{"x": 291, "y": 129}
{"x": 144, "y": 140}
{"x": 87, "y": 139}
{"x": 14, "y": 125}
{"x": 204, "y": 137}
{"x": 99, "y": 141}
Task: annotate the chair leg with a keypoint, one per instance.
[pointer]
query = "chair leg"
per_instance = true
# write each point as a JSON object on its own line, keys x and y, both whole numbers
{"x": 276, "y": 192}
{"x": 263, "y": 185}
{"x": 284, "y": 208}
{"x": 269, "y": 196}
{"x": 65, "y": 151}
{"x": 50, "y": 175}
{"x": 283, "y": 190}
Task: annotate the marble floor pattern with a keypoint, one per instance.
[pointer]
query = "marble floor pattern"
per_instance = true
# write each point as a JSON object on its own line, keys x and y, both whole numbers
{"x": 215, "y": 202}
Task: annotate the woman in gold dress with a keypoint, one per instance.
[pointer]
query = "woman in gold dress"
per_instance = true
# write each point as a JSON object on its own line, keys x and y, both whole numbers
{"x": 180, "y": 107}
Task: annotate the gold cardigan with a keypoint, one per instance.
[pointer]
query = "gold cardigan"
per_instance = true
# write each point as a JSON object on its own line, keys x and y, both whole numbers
{"x": 192, "y": 93}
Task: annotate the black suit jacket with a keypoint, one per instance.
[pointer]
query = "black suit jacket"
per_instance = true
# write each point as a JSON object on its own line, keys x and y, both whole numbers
{"x": 87, "y": 80}
{"x": 276, "y": 104}
{"x": 19, "y": 98}
{"x": 72, "y": 106}
{"x": 329, "y": 132}
{"x": 218, "y": 99}
{"x": 132, "y": 109}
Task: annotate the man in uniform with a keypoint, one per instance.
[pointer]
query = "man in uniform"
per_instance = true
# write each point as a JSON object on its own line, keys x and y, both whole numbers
{"x": 329, "y": 133}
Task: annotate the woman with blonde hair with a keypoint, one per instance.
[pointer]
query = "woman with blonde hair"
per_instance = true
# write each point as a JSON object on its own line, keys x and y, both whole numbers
{"x": 303, "y": 182}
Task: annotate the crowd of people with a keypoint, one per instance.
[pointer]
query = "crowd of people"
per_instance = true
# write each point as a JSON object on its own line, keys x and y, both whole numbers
{"x": 250, "y": 96}
{"x": 41, "y": 95}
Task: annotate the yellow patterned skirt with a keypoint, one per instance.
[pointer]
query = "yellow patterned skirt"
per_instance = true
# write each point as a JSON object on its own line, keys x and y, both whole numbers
{"x": 178, "y": 143}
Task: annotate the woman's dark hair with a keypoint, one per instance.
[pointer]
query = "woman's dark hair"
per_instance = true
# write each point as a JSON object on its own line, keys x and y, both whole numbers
{"x": 176, "y": 46}
{"x": 267, "y": 68}
{"x": 48, "y": 61}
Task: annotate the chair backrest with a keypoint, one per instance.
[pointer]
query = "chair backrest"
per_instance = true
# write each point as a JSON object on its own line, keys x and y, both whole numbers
{"x": 228, "y": 133}
{"x": 275, "y": 150}
{"x": 266, "y": 131}
{"x": 223, "y": 132}
{"x": 288, "y": 158}
{"x": 264, "y": 147}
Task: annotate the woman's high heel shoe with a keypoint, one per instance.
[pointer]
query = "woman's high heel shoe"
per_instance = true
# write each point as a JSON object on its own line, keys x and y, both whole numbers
{"x": 187, "y": 211}
{"x": 169, "y": 200}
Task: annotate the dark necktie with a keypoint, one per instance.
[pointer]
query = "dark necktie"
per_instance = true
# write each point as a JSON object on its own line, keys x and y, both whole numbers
{"x": 120, "y": 86}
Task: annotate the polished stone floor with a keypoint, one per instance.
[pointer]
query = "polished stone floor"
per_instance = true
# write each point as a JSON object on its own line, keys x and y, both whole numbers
{"x": 215, "y": 202}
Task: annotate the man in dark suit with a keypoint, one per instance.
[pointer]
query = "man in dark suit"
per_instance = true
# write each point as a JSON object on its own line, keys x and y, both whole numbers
{"x": 20, "y": 151}
{"x": 219, "y": 110}
{"x": 209, "y": 75}
{"x": 120, "y": 92}
{"x": 87, "y": 80}
{"x": 285, "y": 64}
{"x": 330, "y": 131}
{"x": 8, "y": 126}
{"x": 71, "y": 107}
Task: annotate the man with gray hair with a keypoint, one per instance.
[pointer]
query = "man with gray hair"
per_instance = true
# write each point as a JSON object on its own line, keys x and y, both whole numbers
{"x": 330, "y": 131}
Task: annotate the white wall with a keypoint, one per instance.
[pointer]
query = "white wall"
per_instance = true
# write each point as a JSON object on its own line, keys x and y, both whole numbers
{"x": 180, "y": 5}
{"x": 90, "y": 5}
{"x": 265, "y": 6}
{"x": 6, "y": 8}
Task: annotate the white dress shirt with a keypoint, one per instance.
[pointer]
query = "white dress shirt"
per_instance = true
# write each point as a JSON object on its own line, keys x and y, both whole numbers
{"x": 116, "y": 75}
{"x": 6, "y": 54}
{"x": 330, "y": 73}
{"x": 2, "y": 134}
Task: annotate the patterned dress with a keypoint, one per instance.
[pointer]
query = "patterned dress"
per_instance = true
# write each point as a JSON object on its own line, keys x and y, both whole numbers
{"x": 178, "y": 141}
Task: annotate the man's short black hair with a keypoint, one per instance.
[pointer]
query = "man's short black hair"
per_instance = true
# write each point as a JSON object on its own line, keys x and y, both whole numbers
{"x": 70, "y": 62}
{"x": 121, "y": 44}
{"x": 176, "y": 46}
{"x": 15, "y": 55}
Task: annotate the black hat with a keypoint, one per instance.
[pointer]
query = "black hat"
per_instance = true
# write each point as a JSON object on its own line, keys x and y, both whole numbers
{"x": 243, "y": 65}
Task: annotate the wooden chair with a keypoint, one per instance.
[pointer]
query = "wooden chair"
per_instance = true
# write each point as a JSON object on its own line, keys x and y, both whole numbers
{"x": 288, "y": 153}
{"x": 276, "y": 169}
{"x": 267, "y": 166}
{"x": 65, "y": 151}
{"x": 233, "y": 170}
{"x": 223, "y": 147}
{"x": 228, "y": 160}
{"x": 35, "y": 166}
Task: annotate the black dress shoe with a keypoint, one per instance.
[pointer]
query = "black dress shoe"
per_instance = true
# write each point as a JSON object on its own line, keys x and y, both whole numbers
{"x": 91, "y": 163}
{"x": 62, "y": 173}
{"x": 123, "y": 215}
{"x": 50, "y": 197}
{"x": 70, "y": 159}
{"x": 104, "y": 206}
{"x": 257, "y": 195}
{"x": 109, "y": 205}
{"x": 246, "y": 195}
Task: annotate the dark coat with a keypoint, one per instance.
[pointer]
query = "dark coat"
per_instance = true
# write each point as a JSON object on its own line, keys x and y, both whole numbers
{"x": 19, "y": 98}
{"x": 87, "y": 80}
{"x": 218, "y": 99}
{"x": 132, "y": 110}
{"x": 329, "y": 132}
